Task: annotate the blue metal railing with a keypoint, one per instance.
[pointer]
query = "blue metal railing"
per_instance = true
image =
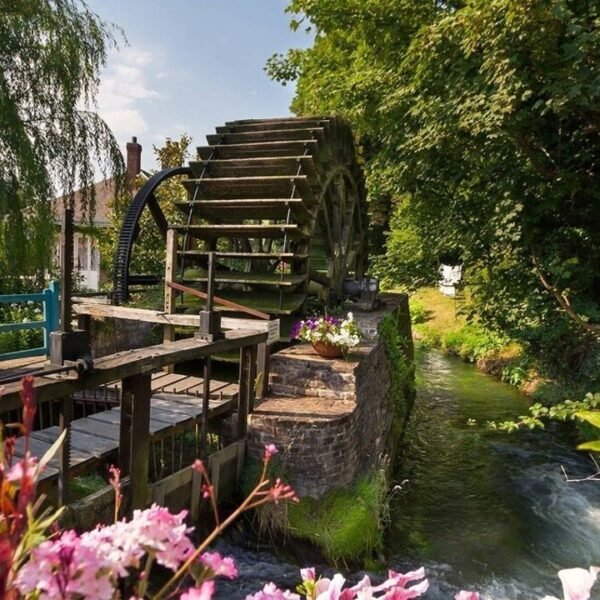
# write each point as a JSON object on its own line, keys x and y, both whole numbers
{"x": 50, "y": 301}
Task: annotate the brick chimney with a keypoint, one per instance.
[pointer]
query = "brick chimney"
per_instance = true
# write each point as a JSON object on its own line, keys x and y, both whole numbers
{"x": 134, "y": 159}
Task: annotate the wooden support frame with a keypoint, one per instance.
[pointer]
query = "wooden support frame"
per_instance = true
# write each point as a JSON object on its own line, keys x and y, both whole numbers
{"x": 134, "y": 368}
{"x": 262, "y": 367}
{"x": 246, "y": 389}
{"x": 134, "y": 443}
{"x": 170, "y": 294}
{"x": 64, "y": 457}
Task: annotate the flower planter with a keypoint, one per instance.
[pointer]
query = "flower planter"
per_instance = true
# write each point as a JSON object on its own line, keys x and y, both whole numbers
{"x": 326, "y": 350}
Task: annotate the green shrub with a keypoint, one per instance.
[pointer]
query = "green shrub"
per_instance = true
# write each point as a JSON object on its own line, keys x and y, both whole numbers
{"x": 472, "y": 342}
{"x": 419, "y": 313}
{"x": 24, "y": 339}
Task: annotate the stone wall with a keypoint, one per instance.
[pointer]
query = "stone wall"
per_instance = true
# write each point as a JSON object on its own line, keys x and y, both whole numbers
{"x": 331, "y": 419}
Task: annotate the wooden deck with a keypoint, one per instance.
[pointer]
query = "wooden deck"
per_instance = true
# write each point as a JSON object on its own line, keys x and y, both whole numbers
{"x": 96, "y": 437}
{"x": 153, "y": 404}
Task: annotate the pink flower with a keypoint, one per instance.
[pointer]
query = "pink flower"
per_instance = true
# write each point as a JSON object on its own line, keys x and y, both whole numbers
{"x": 282, "y": 491}
{"x": 154, "y": 530}
{"x": 270, "y": 451}
{"x": 204, "y": 592}
{"x": 23, "y": 469}
{"x": 219, "y": 565}
{"x": 65, "y": 568}
{"x": 577, "y": 583}
{"x": 207, "y": 490}
{"x": 272, "y": 592}
{"x": 308, "y": 574}
{"x": 399, "y": 593}
{"x": 199, "y": 467}
{"x": 330, "y": 589}
{"x": 466, "y": 595}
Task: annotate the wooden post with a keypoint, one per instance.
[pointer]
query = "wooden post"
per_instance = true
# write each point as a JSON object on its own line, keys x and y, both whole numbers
{"x": 245, "y": 390}
{"x": 205, "y": 406}
{"x": 66, "y": 269}
{"x": 135, "y": 435}
{"x": 252, "y": 379}
{"x": 170, "y": 269}
{"x": 262, "y": 367}
{"x": 64, "y": 456}
{"x": 84, "y": 322}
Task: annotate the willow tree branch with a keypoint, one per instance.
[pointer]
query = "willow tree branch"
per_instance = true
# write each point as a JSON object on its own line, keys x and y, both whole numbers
{"x": 563, "y": 300}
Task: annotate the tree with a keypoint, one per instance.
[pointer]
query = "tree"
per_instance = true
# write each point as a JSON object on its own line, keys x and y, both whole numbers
{"x": 51, "y": 140}
{"x": 483, "y": 118}
{"x": 148, "y": 255}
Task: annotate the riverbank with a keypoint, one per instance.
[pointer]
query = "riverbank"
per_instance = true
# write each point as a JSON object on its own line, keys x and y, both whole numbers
{"x": 440, "y": 322}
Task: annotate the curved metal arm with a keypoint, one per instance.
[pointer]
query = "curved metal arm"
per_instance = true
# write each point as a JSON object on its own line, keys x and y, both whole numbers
{"x": 144, "y": 197}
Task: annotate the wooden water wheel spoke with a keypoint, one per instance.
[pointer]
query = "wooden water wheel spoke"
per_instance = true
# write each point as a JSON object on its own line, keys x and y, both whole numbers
{"x": 158, "y": 215}
{"x": 279, "y": 203}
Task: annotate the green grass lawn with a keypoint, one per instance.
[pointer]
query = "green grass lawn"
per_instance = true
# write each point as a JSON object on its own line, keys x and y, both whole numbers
{"x": 438, "y": 321}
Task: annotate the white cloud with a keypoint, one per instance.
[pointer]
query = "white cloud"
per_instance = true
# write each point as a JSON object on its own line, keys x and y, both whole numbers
{"x": 125, "y": 90}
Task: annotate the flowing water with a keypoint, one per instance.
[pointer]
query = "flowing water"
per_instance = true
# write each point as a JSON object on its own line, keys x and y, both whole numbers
{"x": 479, "y": 509}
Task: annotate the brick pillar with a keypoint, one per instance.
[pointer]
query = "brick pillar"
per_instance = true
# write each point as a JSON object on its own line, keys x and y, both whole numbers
{"x": 134, "y": 159}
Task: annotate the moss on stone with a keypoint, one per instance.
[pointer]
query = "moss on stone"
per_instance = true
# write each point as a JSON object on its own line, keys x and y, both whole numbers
{"x": 398, "y": 350}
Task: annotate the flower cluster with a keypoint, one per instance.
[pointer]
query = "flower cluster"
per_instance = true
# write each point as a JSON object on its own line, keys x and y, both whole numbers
{"x": 91, "y": 565}
{"x": 577, "y": 584}
{"x": 113, "y": 561}
{"x": 344, "y": 333}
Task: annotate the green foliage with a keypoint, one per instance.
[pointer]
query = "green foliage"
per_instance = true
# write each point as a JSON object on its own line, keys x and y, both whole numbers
{"x": 419, "y": 313}
{"x": 51, "y": 140}
{"x": 345, "y": 523}
{"x": 479, "y": 120}
{"x": 401, "y": 366}
{"x": 148, "y": 255}
{"x": 515, "y": 374}
{"x": 472, "y": 342}
{"x": 84, "y": 485}
{"x": 587, "y": 410}
{"x": 24, "y": 339}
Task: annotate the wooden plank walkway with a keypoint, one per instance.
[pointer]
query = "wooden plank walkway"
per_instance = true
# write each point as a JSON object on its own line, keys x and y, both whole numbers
{"x": 96, "y": 437}
{"x": 187, "y": 384}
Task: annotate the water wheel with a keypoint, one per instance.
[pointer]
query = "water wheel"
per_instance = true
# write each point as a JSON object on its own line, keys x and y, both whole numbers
{"x": 281, "y": 203}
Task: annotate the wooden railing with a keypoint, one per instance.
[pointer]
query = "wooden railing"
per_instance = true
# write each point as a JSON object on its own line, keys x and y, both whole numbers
{"x": 134, "y": 369}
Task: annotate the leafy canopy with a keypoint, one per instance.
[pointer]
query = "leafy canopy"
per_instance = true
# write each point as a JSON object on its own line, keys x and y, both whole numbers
{"x": 51, "y": 140}
{"x": 481, "y": 122}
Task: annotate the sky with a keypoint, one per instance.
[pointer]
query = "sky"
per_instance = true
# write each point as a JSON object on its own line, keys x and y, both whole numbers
{"x": 190, "y": 65}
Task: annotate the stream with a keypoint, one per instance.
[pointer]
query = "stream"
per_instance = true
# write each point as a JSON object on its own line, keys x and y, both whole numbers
{"x": 479, "y": 509}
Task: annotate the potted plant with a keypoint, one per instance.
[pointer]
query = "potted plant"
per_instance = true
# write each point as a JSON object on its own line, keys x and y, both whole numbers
{"x": 331, "y": 337}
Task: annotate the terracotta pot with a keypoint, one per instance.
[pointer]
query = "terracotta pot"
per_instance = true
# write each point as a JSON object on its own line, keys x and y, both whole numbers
{"x": 327, "y": 350}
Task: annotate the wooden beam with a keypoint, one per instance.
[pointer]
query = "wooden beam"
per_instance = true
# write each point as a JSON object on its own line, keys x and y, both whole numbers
{"x": 131, "y": 362}
{"x": 246, "y": 389}
{"x": 262, "y": 366}
{"x": 169, "y": 304}
{"x": 64, "y": 454}
{"x": 222, "y": 301}
{"x": 101, "y": 311}
{"x": 252, "y": 379}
